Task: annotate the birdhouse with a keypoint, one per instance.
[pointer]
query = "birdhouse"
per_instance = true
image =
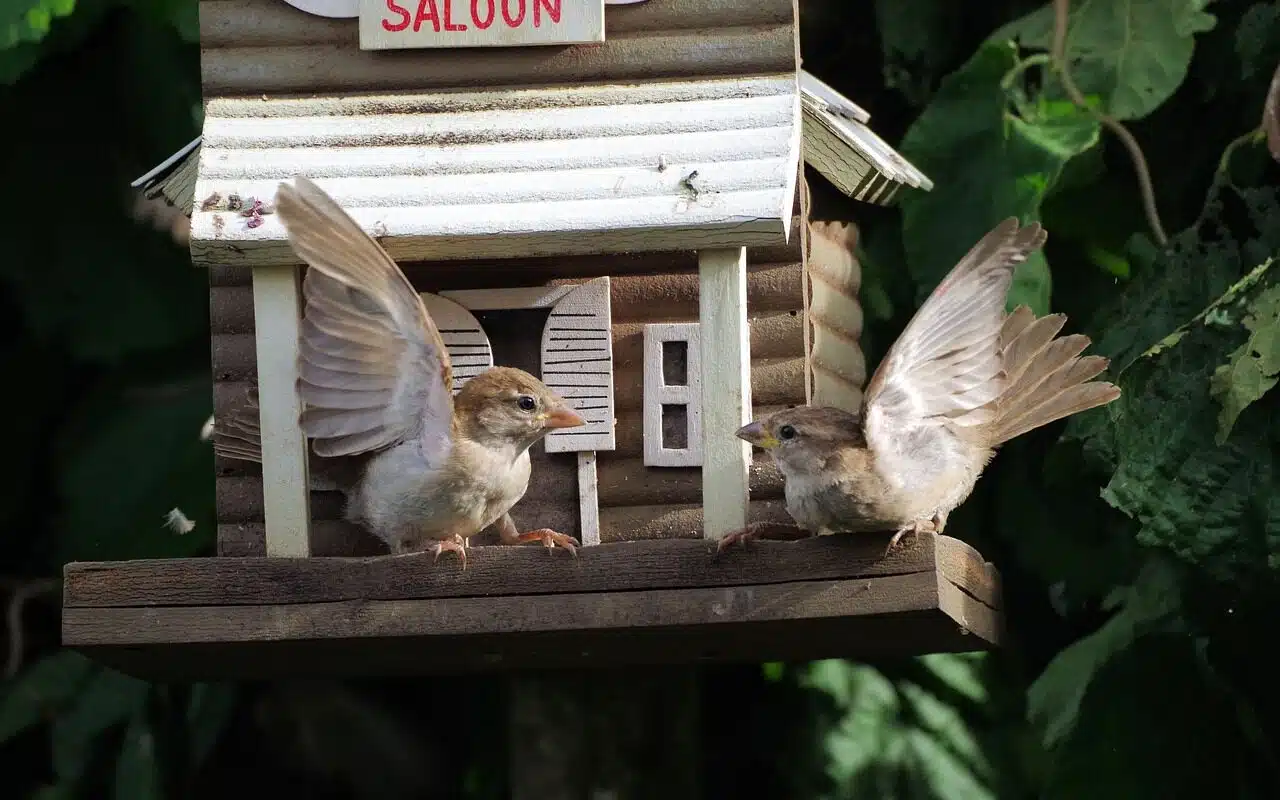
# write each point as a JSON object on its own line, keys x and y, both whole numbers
{"x": 602, "y": 194}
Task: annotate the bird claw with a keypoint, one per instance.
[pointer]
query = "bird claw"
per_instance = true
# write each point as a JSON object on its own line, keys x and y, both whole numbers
{"x": 452, "y": 545}
{"x": 739, "y": 537}
{"x": 551, "y": 539}
{"x": 915, "y": 528}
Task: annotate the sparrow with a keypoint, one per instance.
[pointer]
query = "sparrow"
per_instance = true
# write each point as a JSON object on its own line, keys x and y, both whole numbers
{"x": 418, "y": 467}
{"x": 963, "y": 378}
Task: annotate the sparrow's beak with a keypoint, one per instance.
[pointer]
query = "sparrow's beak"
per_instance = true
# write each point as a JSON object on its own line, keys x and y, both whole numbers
{"x": 563, "y": 417}
{"x": 755, "y": 433}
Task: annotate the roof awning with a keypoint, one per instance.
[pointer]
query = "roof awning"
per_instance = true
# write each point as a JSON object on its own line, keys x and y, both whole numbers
{"x": 674, "y": 165}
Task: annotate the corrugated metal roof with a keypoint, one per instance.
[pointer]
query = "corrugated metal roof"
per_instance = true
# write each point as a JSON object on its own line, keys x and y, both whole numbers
{"x": 840, "y": 145}
{"x": 516, "y": 172}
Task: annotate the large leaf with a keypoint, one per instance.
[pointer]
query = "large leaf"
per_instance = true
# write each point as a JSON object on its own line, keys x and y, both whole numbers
{"x": 1152, "y": 727}
{"x": 901, "y": 738}
{"x": 138, "y": 775}
{"x": 1216, "y": 505}
{"x": 1252, "y": 368}
{"x": 916, "y": 39}
{"x": 42, "y": 690}
{"x": 109, "y": 699}
{"x": 29, "y": 20}
{"x": 208, "y": 713}
{"x": 987, "y": 164}
{"x": 1134, "y": 54}
{"x": 1152, "y": 603}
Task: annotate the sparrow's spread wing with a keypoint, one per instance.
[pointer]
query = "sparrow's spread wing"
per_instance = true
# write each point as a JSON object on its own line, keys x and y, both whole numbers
{"x": 946, "y": 367}
{"x": 374, "y": 370}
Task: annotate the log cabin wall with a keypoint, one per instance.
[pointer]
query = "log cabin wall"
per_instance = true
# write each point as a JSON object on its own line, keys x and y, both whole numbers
{"x": 251, "y": 47}
{"x": 635, "y": 502}
{"x": 268, "y": 49}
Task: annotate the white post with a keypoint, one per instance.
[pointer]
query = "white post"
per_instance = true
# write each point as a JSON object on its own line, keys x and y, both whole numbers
{"x": 285, "y": 483}
{"x": 588, "y": 499}
{"x": 726, "y": 388}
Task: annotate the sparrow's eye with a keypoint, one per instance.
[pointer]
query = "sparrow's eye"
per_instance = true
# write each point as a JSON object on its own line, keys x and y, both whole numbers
{"x": 526, "y": 402}
{"x": 786, "y": 432}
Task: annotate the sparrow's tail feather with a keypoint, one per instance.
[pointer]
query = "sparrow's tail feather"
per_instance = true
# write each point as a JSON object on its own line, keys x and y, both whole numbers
{"x": 1048, "y": 378}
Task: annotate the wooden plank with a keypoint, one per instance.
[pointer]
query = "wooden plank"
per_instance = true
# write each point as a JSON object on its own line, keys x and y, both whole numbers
{"x": 332, "y": 537}
{"x": 491, "y": 571}
{"x": 285, "y": 480}
{"x": 392, "y": 25}
{"x": 859, "y": 638}
{"x": 726, "y": 388}
{"x": 588, "y": 500}
{"x": 669, "y": 277}
{"x": 964, "y": 566}
{"x": 774, "y": 381}
{"x": 412, "y": 241}
{"x": 500, "y": 614}
{"x": 867, "y": 617}
{"x": 238, "y": 69}
{"x": 621, "y": 481}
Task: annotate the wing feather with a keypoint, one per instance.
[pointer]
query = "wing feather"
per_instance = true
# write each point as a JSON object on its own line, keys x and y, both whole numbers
{"x": 947, "y": 363}
{"x": 374, "y": 370}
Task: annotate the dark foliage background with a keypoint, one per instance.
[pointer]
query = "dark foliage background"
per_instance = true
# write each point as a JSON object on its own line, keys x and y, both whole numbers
{"x": 1140, "y": 544}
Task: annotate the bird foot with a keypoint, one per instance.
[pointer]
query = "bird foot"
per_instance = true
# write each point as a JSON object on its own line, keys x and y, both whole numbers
{"x": 739, "y": 537}
{"x": 551, "y": 539}
{"x": 452, "y": 545}
{"x": 915, "y": 528}
{"x": 761, "y": 530}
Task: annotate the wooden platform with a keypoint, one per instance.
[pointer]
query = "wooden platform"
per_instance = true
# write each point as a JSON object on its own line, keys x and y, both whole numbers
{"x": 644, "y": 602}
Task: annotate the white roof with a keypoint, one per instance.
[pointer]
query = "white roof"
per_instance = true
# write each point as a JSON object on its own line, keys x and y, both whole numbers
{"x": 527, "y": 172}
{"x": 838, "y": 143}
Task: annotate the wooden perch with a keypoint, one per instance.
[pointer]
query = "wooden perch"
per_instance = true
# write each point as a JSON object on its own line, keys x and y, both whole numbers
{"x": 514, "y": 607}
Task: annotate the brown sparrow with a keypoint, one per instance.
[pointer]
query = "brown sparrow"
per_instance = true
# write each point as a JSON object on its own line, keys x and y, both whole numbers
{"x": 962, "y": 379}
{"x": 417, "y": 465}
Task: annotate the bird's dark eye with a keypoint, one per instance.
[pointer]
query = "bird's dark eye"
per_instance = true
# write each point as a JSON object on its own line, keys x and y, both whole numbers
{"x": 786, "y": 432}
{"x": 526, "y": 403}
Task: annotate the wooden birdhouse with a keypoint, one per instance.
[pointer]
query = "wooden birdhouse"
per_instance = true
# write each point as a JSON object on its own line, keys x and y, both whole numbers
{"x": 605, "y": 195}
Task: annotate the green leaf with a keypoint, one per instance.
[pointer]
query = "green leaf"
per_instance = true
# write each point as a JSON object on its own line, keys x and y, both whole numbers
{"x": 29, "y": 20}
{"x": 41, "y": 690}
{"x": 138, "y": 774}
{"x": 1148, "y": 728}
{"x": 916, "y": 40}
{"x": 1152, "y": 602}
{"x": 110, "y": 699}
{"x": 1251, "y": 370}
{"x": 182, "y": 15}
{"x": 987, "y": 164}
{"x": 1134, "y": 54}
{"x": 894, "y": 730}
{"x": 60, "y": 791}
{"x": 1256, "y": 42}
{"x": 1213, "y": 504}
{"x": 208, "y": 713}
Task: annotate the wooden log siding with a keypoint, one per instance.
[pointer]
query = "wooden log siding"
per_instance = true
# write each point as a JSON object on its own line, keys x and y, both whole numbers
{"x": 635, "y": 502}
{"x": 249, "y": 47}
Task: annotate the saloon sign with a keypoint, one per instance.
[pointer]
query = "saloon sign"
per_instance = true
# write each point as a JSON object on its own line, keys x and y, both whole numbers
{"x": 393, "y": 24}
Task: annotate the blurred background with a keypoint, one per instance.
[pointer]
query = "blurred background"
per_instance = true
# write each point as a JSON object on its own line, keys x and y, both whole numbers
{"x": 1139, "y": 545}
